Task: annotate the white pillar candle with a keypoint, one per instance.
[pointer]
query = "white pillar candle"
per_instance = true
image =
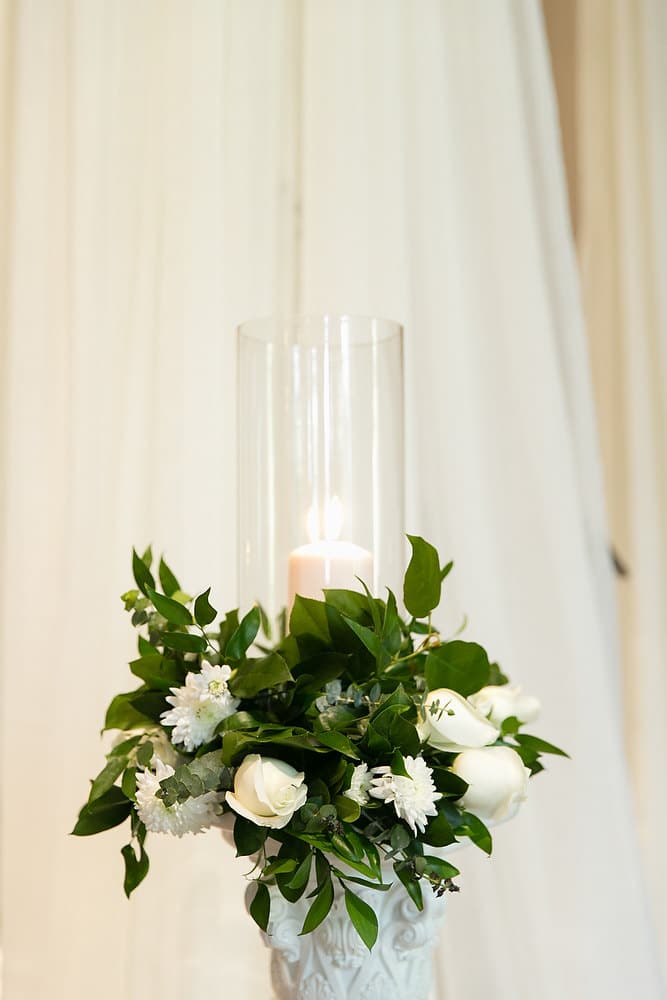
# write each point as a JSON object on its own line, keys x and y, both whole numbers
{"x": 328, "y": 564}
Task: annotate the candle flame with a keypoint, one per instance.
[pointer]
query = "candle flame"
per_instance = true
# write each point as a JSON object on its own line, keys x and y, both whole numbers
{"x": 333, "y": 521}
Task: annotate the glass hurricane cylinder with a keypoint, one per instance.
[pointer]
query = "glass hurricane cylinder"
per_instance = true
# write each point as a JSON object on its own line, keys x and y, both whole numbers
{"x": 321, "y": 479}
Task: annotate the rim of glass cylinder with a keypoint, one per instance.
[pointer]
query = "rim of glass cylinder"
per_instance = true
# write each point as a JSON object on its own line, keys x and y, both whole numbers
{"x": 282, "y": 329}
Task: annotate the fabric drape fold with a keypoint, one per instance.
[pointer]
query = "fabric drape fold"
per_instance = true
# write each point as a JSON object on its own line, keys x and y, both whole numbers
{"x": 174, "y": 169}
{"x": 615, "y": 129}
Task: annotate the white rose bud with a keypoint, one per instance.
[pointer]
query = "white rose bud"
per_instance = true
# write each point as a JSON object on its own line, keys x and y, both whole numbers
{"x": 450, "y": 722}
{"x": 500, "y": 703}
{"x": 267, "y": 791}
{"x": 497, "y": 782}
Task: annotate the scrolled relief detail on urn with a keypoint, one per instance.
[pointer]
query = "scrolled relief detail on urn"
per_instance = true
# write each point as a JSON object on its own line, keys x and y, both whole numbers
{"x": 332, "y": 963}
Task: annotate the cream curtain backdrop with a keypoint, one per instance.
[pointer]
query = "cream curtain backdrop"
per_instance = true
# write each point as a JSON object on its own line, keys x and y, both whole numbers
{"x": 173, "y": 168}
{"x": 615, "y": 127}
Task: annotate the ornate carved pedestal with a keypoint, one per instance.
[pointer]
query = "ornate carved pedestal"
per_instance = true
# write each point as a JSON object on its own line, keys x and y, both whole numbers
{"x": 333, "y": 964}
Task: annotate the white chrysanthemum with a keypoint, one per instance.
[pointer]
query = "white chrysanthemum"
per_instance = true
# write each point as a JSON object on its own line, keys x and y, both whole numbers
{"x": 414, "y": 798}
{"x": 199, "y": 706}
{"x": 191, "y": 816}
{"x": 360, "y": 785}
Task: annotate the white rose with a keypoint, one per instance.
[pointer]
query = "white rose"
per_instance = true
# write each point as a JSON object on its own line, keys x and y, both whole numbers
{"x": 267, "y": 791}
{"x": 450, "y": 722}
{"x": 497, "y": 782}
{"x": 500, "y": 703}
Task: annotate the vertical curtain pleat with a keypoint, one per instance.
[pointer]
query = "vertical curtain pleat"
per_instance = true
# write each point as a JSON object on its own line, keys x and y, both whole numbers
{"x": 616, "y": 129}
{"x": 176, "y": 168}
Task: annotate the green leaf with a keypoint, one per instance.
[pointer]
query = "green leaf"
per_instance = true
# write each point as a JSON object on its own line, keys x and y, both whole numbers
{"x": 260, "y": 908}
{"x": 107, "y": 777}
{"x": 280, "y": 866}
{"x": 438, "y": 832}
{"x": 538, "y": 745}
{"x": 477, "y": 832}
{"x": 370, "y": 639}
{"x": 151, "y": 704}
{"x": 168, "y": 581}
{"x": 446, "y": 570}
{"x": 143, "y": 646}
{"x": 145, "y": 754}
{"x": 348, "y": 810}
{"x": 421, "y": 586}
{"x": 363, "y": 918}
{"x": 184, "y": 642}
{"x": 136, "y": 868}
{"x": 158, "y": 671}
{"x": 205, "y": 613}
{"x": 248, "y": 837}
{"x": 265, "y": 622}
{"x": 142, "y": 573}
{"x": 258, "y": 675}
{"x": 309, "y": 617}
{"x": 107, "y": 811}
{"x": 121, "y": 713}
{"x": 398, "y": 765}
{"x": 496, "y": 677}
{"x": 319, "y": 907}
{"x": 450, "y": 784}
{"x": 379, "y": 886}
{"x": 128, "y": 783}
{"x": 411, "y": 883}
{"x": 173, "y": 611}
{"x": 392, "y": 635}
{"x": 510, "y": 726}
{"x": 129, "y": 599}
{"x": 440, "y": 868}
{"x": 123, "y": 749}
{"x": 350, "y": 603}
{"x": 460, "y": 666}
{"x": 339, "y": 742}
{"x": 299, "y": 879}
{"x": 244, "y": 636}
{"x": 227, "y": 629}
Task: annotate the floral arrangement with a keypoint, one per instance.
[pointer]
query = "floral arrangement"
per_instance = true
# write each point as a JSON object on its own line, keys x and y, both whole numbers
{"x": 354, "y": 739}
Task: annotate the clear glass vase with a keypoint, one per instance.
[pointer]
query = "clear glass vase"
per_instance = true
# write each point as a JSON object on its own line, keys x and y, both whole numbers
{"x": 321, "y": 480}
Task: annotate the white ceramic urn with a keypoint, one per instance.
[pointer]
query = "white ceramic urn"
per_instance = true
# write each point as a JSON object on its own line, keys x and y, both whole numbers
{"x": 332, "y": 963}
